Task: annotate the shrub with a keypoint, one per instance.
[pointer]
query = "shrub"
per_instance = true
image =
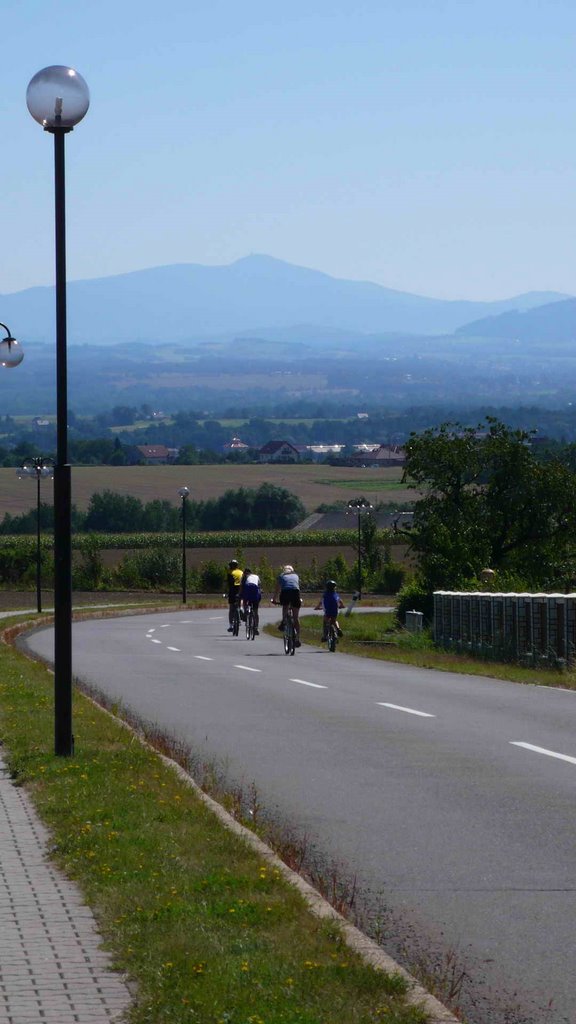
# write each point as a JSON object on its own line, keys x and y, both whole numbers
{"x": 414, "y": 597}
{"x": 147, "y": 570}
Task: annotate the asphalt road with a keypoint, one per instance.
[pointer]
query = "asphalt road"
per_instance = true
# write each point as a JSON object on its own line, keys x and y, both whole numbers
{"x": 450, "y": 798}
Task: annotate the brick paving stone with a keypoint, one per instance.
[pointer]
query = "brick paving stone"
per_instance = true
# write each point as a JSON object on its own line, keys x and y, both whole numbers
{"x": 52, "y": 967}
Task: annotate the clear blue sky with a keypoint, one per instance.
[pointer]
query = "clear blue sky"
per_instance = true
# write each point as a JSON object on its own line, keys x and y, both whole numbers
{"x": 427, "y": 145}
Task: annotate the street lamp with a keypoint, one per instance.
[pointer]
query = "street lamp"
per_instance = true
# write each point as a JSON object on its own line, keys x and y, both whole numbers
{"x": 37, "y": 467}
{"x": 11, "y": 353}
{"x": 183, "y": 492}
{"x": 356, "y": 507}
{"x": 58, "y": 98}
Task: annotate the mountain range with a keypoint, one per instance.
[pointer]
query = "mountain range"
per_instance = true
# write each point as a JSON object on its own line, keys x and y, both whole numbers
{"x": 257, "y": 295}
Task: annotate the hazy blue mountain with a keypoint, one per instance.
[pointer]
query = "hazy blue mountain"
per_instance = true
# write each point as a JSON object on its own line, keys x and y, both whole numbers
{"x": 553, "y": 322}
{"x": 257, "y": 295}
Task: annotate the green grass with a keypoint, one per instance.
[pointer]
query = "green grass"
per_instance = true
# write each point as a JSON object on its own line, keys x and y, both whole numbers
{"x": 208, "y": 931}
{"x": 374, "y": 635}
{"x": 366, "y": 485}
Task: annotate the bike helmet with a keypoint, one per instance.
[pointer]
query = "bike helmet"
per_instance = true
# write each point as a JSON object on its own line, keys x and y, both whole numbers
{"x": 288, "y": 568}
{"x": 233, "y": 564}
{"x": 331, "y": 584}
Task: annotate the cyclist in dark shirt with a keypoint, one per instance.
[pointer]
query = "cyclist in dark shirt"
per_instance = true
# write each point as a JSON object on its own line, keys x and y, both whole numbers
{"x": 288, "y": 591}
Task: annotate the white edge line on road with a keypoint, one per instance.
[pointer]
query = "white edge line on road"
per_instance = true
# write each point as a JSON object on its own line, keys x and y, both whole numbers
{"x": 304, "y": 682}
{"x": 247, "y": 668}
{"x": 409, "y": 711}
{"x": 177, "y": 649}
{"x": 202, "y": 657}
{"x": 542, "y": 750}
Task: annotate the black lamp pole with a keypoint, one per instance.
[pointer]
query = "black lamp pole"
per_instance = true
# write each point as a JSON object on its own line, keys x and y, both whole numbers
{"x": 37, "y": 466}
{"x": 184, "y": 492}
{"x": 358, "y": 506}
{"x": 58, "y": 98}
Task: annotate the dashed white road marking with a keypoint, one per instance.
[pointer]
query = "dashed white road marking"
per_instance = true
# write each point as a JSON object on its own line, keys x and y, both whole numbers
{"x": 165, "y": 626}
{"x": 155, "y": 641}
{"x": 248, "y": 668}
{"x": 409, "y": 711}
{"x": 177, "y": 649}
{"x": 304, "y": 682}
{"x": 152, "y": 629}
{"x": 542, "y": 750}
{"x": 185, "y": 622}
{"x": 215, "y": 618}
{"x": 202, "y": 657}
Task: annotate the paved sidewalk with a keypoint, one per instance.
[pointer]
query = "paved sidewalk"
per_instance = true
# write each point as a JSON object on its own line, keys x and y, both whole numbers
{"x": 52, "y": 968}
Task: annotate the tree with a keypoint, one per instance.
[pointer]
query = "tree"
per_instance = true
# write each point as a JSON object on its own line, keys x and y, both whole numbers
{"x": 488, "y": 502}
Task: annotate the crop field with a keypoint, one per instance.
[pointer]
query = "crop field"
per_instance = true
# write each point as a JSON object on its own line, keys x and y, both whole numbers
{"x": 314, "y": 484}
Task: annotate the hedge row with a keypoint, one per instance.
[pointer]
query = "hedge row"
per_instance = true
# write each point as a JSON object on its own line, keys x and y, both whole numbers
{"x": 231, "y": 539}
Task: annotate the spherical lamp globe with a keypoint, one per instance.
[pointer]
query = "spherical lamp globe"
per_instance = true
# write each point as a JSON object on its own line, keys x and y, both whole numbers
{"x": 58, "y": 97}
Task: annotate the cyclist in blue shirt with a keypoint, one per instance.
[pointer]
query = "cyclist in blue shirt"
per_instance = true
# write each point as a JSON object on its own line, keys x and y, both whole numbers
{"x": 331, "y": 603}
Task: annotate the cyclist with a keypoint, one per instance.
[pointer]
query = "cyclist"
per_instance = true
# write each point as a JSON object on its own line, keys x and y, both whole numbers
{"x": 251, "y": 593}
{"x": 288, "y": 591}
{"x": 234, "y": 580}
{"x": 330, "y": 602}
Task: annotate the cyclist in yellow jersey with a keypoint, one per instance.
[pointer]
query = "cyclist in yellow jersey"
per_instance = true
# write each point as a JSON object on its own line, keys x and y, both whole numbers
{"x": 234, "y": 581}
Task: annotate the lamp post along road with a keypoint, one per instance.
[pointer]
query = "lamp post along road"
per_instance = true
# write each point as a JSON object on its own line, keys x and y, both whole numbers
{"x": 37, "y": 467}
{"x": 184, "y": 492}
{"x": 357, "y": 506}
{"x": 58, "y": 98}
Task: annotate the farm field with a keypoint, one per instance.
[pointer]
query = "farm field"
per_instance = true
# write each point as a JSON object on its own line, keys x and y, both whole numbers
{"x": 314, "y": 484}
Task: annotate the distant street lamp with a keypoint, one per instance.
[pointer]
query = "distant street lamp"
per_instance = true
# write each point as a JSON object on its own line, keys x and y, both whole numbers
{"x": 11, "y": 353}
{"x": 37, "y": 467}
{"x": 356, "y": 507}
{"x": 183, "y": 492}
{"x": 58, "y": 98}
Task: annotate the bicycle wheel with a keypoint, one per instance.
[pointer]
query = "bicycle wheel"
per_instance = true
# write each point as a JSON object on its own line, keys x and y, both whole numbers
{"x": 332, "y": 639}
{"x": 236, "y": 622}
{"x": 288, "y": 635}
{"x": 250, "y": 624}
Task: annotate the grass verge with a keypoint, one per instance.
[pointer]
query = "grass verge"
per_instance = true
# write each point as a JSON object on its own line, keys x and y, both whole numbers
{"x": 205, "y": 930}
{"x": 374, "y": 635}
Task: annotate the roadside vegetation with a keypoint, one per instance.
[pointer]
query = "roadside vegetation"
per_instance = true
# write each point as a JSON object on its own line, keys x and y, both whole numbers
{"x": 206, "y": 929}
{"x": 379, "y": 635}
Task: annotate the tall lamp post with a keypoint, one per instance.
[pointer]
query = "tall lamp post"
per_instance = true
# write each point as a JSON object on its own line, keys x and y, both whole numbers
{"x": 356, "y": 507}
{"x": 37, "y": 467}
{"x": 183, "y": 492}
{"x": 58, "y": 98}
{"x": 11, "y": 353}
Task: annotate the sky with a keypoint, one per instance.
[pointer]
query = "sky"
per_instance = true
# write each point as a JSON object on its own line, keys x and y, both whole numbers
{"x": 426, "y": 145}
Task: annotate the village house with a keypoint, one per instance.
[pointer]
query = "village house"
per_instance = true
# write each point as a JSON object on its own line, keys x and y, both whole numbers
{"x": 279, "y": 451}
{"x": 384, "y": 455}
{"x": 151, "y": 454}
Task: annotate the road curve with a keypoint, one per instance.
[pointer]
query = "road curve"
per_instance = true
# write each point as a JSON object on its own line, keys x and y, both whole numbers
{"x": 450, "y": 798}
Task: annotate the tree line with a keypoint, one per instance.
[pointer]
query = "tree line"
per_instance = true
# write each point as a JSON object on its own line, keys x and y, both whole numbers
{"x": 267, "y": 507}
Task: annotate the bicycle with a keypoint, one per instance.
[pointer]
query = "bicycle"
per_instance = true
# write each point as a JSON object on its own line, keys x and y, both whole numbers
{"x": 289, "y": 631}
{"x": 250, "y": 622}
{"x": 331, "y": 637}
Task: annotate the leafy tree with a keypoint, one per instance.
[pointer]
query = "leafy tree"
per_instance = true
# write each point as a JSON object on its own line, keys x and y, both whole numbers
{"x": 111, "y": 512}
{"x": 488, "y": 502}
